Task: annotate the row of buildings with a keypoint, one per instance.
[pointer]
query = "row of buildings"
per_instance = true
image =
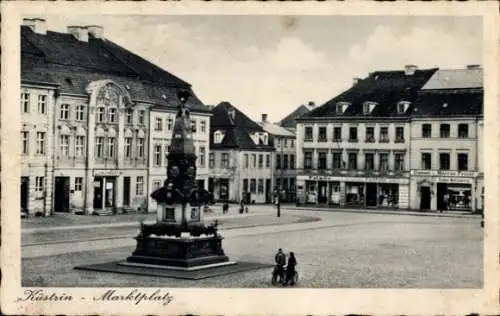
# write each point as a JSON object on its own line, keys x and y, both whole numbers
{"x": 97, "y": 122}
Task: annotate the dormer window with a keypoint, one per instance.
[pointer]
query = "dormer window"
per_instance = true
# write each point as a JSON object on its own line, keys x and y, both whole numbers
{"x": 264, "y": 138}
{"x": 403, "y": 106}
{"x": 341, "y": 107}
{"x": 368, "y": 107}
{"x": 218, "y": 136}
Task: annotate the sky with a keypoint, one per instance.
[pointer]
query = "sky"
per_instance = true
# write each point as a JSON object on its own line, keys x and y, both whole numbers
{"x": 273, "y": 64}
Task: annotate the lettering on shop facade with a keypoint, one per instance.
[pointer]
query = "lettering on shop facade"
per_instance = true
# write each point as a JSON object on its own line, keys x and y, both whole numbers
{"x": 107, "y": 173}
{"x": 443, "y": 173}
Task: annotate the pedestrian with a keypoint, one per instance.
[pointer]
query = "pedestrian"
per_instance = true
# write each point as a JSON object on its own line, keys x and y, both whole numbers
{"x": 242, "y": 206}
{"x": 225, "y": 208}
{"x": 277, "y": 202}
{"x": 290, "y": 269}
{"x": 280, "y": 259}
{"x": 446, "y": 201}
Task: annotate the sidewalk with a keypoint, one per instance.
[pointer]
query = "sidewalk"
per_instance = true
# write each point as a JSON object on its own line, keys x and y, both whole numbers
{"x": 455, "y": 214}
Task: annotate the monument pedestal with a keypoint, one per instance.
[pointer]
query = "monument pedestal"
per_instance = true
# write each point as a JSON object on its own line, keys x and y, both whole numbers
{"x": 183, "y": 252}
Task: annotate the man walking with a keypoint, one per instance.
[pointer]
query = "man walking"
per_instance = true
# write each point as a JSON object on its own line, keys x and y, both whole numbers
{"x": 280, "y": 259}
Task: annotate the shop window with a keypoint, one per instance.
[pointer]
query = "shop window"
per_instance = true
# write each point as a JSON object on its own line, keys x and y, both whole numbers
{"x": 308, "y": 160}
{"x": 444, "y": 131}
{"x": 370, "y": 135}
{"x": 353, "y": 134}
{"x": 426, "y": 130}
{"x": 384, "y": 134}
{"x": 463, "y": 130}
{"x": 426, "y": 161}
{"x": 353, "y": 161}
{"x": 322, "y": 134}
{"x": 369, "y": 161}
{"x": 322, "y": 160}
{"x": 463, "y": 163}
{"x": 337, "y": 134}
{"x": 444, "y": 161}
{"x": 308, "y": 135}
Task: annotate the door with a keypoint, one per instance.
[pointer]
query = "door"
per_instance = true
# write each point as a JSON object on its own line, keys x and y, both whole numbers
{"x": 322, "y": 194}
{"x": 425, "y": 198}
{"x": 24, "y": 193}
{"x": 126, "y": 191}
{"x": 441, "y": 191}
{"x": 371, "y": 194}
{"x": 109, "y": 193}
{"x": 98, "y": 193}
{"x": 224, "y": 189}
{"x": 61, "y": 194}
{"x": 268, "y": 191}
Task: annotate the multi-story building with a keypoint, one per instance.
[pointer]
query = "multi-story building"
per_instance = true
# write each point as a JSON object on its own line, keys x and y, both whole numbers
{"x": 354, "y": 150}
{"x": 85, "y": 105}
{"x": 285, "y": 171}
{"x": 290, "y": 121}
{"x": 162, "y": 124}
{"x": 240, "y": 157}
{"x": 446, "y": 147}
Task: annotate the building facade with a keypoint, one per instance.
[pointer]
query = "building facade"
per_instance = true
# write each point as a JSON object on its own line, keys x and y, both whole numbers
{"x": 446, "y": 138}
{"x": 354, "y": 150}
{"x": 86, "y": 107}
{"x": 240, "y": 159}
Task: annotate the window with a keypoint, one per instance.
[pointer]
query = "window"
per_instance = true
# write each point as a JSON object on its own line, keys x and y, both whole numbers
{"x": 292, "y": 143}
{"x": 339, "y": 109}
{"x": 167, "y": 150}
{"x": 384, "y": 162}
{"x": 224, "y": 162}
{"x": 463, "y": 164}
{"x": 444, "y": 161}
{"x": 211, "y": 160}
{"x": 322, "y": 160}
{"x": 39, "y": 184}
{"x": 128, "y": 147}
{"x": 426, "y": 130}
{"x": 25, "y": 102}
{"x": 353, "y": 161}
{"x": 261, "y": 186}
{"x": 64, "y": 145}
{"x": 369, "y": 161}
{"x": 64, "y": 112}
{"x": 308, "y": 133}
{"x": 79, "y": 146}
{"x": 337, "y": 134}
{"x": 218, "y": 136}
{"x": 40, "y": 143}
{"x": 42, "y": 103}
{"x": 203, "y": 126}
{"x": 252, "y": 185}
{"x": 261, "y": 161}
{"x": 139, "y": 186}
{"x": 268, "y": 161}
{"x": 308, "y": 157}
{"x": 384, "y": 134}
{"x": 254, "y": 160}
{"x": 366, "y": 108}
{"x": 370, "y": 134}
{"x": 80, "y": 112}
{"x": 353, "y": 134}
{"x": 322, "y": 134}
{"x": 402, "y": 106}
{"x": 25, "y": 142}
{"x": 245, "y": 185}
{"x": 426, "y": 161}
{"x": 78, "y": 184}
{"x": 129, "y": 117}
{"x": 400, "y": 134}
{"x": 399, "y": 162}
{"x": 463, "y": 130}
{"x": 100, "y": 114}
{"x": 158, "y": 124}
{"x": 112, "y": 115}
{"x": 285, "y": 141}
{"x": 156, "y": 184}
{"x": 170, "y": 123}
{"x": 444, "y": 131}
{"x": 111, "y": 147}
{"x": 202, "y": 156}
{"x": 285, "y": 162}
{"x": 99, "y": 147}
{"x": 157, "y": 155}
{"x": 140, "y": 147}
{"x": 245, "y": 158}
{"x": 141, "y": 117}
{"x": 193, "y": 126}
{"x": 292, "y": 161}
{"x": 336, "y": 160}
{"x": 278, "y": 161}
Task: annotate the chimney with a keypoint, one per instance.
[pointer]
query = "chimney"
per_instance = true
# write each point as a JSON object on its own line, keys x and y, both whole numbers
{"x": 37, "y": 25}
{"x": 355, "y": 81}
{"x": 311, "y": 104}
{"x": 473, "y": 66}
{"x": 264, "y": 118}
{"x": 96, "y": 30}
{"x": 79, "y": 32}
{"x": 410, "y": 70}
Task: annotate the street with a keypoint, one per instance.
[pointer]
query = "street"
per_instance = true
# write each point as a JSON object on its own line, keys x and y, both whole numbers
{"x": 333, "y": 250}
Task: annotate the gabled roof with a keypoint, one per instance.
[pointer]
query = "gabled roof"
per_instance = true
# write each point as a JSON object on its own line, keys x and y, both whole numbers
{"x": 455, "y": 79}
{"x": 237, "y": 131}
{"x": 290, "y": 120}
{"x": 451, "y": 103}
{"x": 276, "y": 130}
{"x": 386, "y": 88}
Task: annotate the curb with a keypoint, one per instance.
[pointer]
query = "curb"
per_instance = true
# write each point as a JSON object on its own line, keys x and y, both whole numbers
{"x": 358, "y": 211}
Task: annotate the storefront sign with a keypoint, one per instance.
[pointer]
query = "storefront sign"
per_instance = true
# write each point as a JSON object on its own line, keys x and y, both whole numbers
{"x": 355, "y": 179}
{"x": 453, "y": 180}
{"x": 107, "y": 173}
{"x": 444, "y": 173}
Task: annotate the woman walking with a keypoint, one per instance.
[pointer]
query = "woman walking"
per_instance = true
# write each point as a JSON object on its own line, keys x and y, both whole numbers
{"x": 290, "y": 269}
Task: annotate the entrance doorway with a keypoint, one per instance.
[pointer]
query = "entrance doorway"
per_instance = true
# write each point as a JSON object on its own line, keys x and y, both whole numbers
{"x": 224, "y": 189}
{"x": 441, "y": 191}
{"x": 268, "y": 191}
{"x": 126, "y": 191}
{"x": 61, "y": 194}
{"x": 371, "y": 194}
{"x": 104, "y": 193}
{"x": 425, "y": 198}
{"x": 322, "y": 194}
{"x": 24, "y": 193}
